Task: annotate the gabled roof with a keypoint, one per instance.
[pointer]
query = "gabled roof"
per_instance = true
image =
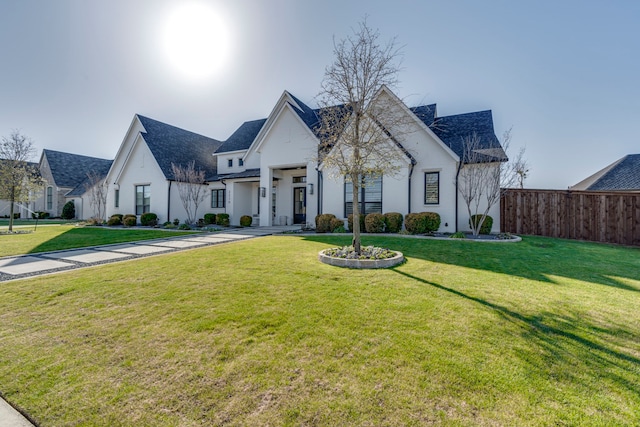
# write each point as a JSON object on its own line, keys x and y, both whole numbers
{"x": 242, "y": 138}
{"x": 81, "y": 188}
{"x": 453, "y": 130}
{"x": 622, "y": 175}
{"x": 170, "y": 144}
{"x": 69, "y": 170}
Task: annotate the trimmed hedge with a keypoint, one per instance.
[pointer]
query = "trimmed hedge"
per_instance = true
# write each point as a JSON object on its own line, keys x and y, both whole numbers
{"x": 115, "y": 220}
{"x": 209, "y": 218}
{"x": 149, "y": 219}
{"x": 68, "y": 210}
{"x": 422, "y": 222}
{"x": 337, "y": 223}
{"x": 350, "y": 223}
{"x": 130, "y": 220}
{"x": 486, "y": 226}
{"x": 374, "y": 223}
{"x": 245, "y": 221}
{"x": 222, "y": 219}
{"x": 323, "y": 223}
{"x": 393, "y": 222}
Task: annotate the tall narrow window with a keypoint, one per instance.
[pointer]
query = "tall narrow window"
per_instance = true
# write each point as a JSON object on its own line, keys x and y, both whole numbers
{"x": 230, "y": 163}
{"x": 431, "y": 188}
{"x": 143, "y": 199}
{"x": 240, "y": 162}
{"x": 370, "y": 196}
{"x": 117, "y": 198}
{"x": 49, "y": 198}
{"x": 217, "y": 198}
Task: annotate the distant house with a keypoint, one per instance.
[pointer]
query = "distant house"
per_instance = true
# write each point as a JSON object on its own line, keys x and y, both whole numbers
{"x": 621, "y": 175}
{"x": 141, "y": 178}
{"x": 65, "y": 177}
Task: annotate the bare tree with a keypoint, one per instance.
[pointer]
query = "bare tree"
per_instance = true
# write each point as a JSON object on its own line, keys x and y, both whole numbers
{"x": 19, "y": 181}
{"x": 191, "y": 187}
{"x": 355, "y": 122}
{"x": 97, "y": 187}
{"x": 483, "y": 174}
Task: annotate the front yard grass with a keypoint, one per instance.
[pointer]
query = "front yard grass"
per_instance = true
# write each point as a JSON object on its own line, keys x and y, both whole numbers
{"x": 258, "y": 332}
{"x": 61, "y": 237}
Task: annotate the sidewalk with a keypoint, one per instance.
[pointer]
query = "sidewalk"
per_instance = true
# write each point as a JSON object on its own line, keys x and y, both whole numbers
{"x": 19, "y": 267}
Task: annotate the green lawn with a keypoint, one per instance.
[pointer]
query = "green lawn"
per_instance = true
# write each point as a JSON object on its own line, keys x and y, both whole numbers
{"x": 258, "y": 332}
{"x": 60, "y": 237}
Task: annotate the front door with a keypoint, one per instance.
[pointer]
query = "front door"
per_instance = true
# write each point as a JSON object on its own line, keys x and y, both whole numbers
{"x": 300, "y": 205}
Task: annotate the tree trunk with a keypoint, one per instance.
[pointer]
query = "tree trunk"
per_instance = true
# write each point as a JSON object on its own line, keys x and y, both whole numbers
{"x": 356, "y": 215}
{"x": 13, "y": 199}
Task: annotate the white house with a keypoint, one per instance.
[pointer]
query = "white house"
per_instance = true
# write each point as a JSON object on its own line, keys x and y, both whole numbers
{"x": 269, "y": 169}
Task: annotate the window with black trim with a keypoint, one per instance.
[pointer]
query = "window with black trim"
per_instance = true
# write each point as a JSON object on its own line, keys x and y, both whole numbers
{"x": 143, "y": 199}
{"x": 370, "y": 196}
{"x": 230, "y": 163}
{"x": 117, "y": 198}
{"x": 240, "y": 162}
{"x": 217, "y": 198}
{"x": 431, "y": 188}
{"x": 49, "y": 198}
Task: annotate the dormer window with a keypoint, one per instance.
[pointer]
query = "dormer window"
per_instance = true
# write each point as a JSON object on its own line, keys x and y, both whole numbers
{"x": 230, "y": 163}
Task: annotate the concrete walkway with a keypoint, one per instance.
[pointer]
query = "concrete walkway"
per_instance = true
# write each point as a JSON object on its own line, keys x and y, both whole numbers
{"x": 18, "y": 267}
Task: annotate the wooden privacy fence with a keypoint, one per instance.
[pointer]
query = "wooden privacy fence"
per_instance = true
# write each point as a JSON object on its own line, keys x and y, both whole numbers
{"x": 611, "y": 217}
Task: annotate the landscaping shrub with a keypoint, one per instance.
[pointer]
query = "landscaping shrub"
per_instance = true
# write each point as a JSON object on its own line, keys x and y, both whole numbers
{"x": 222, "y": 219}
{"x": 486, "y": 226}
{"x": 69, "y": 210}
{"x": 209, "y": 218}
{"x": 129, "y": 220}
{"x": 337, "y": 225}
{"x": 414, "y": 223}
{"x": 393, "y": 222}
{"x": 374, "y": 223}
{"x": 149, "y": 219}
{"x": 115, "y": 220}
{"x": 184, "y": 226}
{"x": 245, "y": 221}
{"x": 323, "y": 223}
{"x": 432, "y": 221}
{"x": 176, "y": 221}
{"x": 350, "y": 223}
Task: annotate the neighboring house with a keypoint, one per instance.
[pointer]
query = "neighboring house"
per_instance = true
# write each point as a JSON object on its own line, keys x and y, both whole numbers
{"x": 621, "y": 175}
{"x": 141, "y": 178}
{"x": 64, "y": 175}
{"x": 268, "y": 168}
{"x": 23, "y": 210}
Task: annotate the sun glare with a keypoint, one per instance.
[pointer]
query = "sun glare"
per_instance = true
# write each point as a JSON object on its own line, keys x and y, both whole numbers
{"x": 195, "y": 40}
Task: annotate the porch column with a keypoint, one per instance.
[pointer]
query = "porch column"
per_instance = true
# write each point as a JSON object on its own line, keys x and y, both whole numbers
{"x": 266, "y": 182}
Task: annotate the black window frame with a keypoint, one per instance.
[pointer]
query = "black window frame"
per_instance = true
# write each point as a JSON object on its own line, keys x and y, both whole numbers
{"x": 117, "y": 198}
{"x": 215, "y": 198}
{"x": 146, "y": 195}
{"x": 366, "y": 207}
{"x": 49, "y": 198}
{"x": 427, "y": 201}
{"x": 230, "y": 163}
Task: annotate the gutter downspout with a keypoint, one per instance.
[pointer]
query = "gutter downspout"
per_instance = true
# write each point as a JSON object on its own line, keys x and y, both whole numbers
{"x": 457, "y": 175}
{"x": 169, "y": 201}
{"x": 319, "y": 190}
{"x": 225, "y": 194}
{"x": 409, "y": 189}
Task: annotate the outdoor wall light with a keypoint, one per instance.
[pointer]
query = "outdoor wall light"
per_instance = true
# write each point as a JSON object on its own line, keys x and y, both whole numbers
{"x": 263, "y": 192}
{"x": 310, "y": 186}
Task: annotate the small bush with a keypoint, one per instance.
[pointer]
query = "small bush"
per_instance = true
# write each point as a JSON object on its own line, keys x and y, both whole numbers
{"x": 169, "y": 225}
{"x": 129, "y": 220}
{"x": 222, "y": 219}
{"x": 209, "y": 218}
{"x": 350, "y": 223}
{"x": 176, "y": 221}
{"x": 486, "y": 226}
{"x": 149, "y": 219}
{"x": 323, "y": 223}
{"x": 337, "y": 223}
{"x": 115, "y": 220}
{"x": 184, "y": 226}
{"x": 245, "y": 221}
{"x": 69, "y": 210}
{"x": 374, "y": 223}
{"x": 432, "y": 221}
{"x": 95, "y": 221}
{"x": 458, "y": 235}
{"x": 414, "y": 223}
{"x": 393, "y": 222}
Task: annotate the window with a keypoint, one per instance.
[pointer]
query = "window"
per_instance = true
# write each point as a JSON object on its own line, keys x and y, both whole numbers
{"x": 230, "y": 163}
{"x": 217, "y": 198}
{"x": 117, "y": 198}
{"x": 299, "y": 179}
{"x": 143, "y": 199}
{"x": 370, "y": 196}
{"x": 49, "y": 198}
{"x": 431, "y": 188}
{"x": 240, "y": 162}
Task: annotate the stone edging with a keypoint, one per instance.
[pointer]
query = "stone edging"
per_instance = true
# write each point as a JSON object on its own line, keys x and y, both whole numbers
{"x": 361, "y": 263}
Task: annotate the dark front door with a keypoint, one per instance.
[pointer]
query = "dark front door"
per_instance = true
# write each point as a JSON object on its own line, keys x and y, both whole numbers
{"x": 300, "y": 205}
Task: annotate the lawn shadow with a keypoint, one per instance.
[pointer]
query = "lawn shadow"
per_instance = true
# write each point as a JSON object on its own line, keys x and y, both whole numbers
{"x": 535, "y": 258}
{"x": 566, "y": 340}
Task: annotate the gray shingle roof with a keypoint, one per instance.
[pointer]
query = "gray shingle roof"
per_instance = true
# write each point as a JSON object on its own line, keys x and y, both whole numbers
{"x": 625, "y": 176}
{"x": 69, "y": 170}
{"x": 170, "y": 144}
{"x": 242, "y": 138}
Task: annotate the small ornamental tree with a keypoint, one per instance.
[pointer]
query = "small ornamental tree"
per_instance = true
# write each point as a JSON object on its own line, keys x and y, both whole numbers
{"x": 69, "y": 210}
{"x": 191, "y": 187}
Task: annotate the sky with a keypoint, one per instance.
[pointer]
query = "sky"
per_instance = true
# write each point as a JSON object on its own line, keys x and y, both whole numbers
{"x": 564, "y": 75}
